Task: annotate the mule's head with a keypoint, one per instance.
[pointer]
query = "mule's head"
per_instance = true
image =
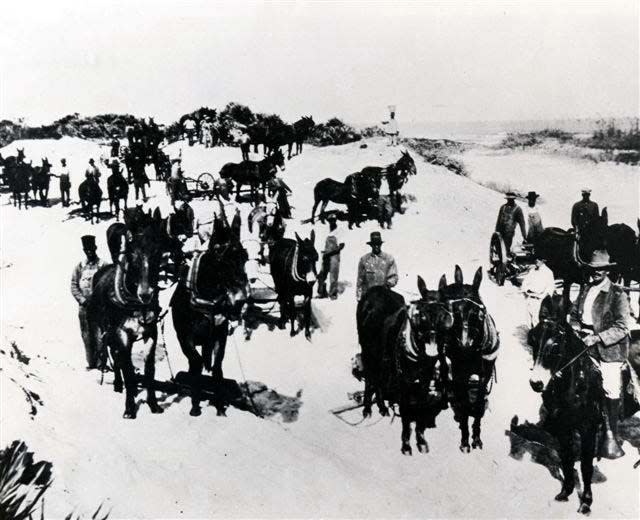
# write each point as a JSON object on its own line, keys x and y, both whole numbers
{"x": 46, "y": 165}
{"x": 229, "y": 279}
{"x": 277, "y": 159}
{"x": 546, "y": 340}
{"x": 464, "y": 303}
{"x": 407, "y": 164}
{"x": 21, "y": 155}
{"x": 307, "y": 257}
{"x": 429, "y": 317}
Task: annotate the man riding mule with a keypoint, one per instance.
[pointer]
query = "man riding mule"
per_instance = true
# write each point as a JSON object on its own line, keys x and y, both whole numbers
{"x": 376, "y": 267}
{"x": 402, "y": 357}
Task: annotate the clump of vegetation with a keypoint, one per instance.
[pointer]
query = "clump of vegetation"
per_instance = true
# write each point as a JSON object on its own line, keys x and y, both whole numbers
{"x": 334, "y": 132}
{"x": 520, "y": 140}
{"x": 609, "y": 136}
{"x": 372, "y": 131}
{"x": 439, "y": 152}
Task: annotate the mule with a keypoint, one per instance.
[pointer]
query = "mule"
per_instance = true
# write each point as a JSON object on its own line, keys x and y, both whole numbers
{"x": 206, "y": 299}
{"x": 357, "y": 192}
{"x": 396, "y": 174}
{"x": 254, "y": 173}
{"x": 293, "y": 268}
{"x": 472, "y": 345}
{"x": 8, "y": 165}
{"x": 124, "y": 304}
{"x": 40, "y": 180}
{"x": 623, "y": 246}
{"x": 117, "y": 189}
{"x": 270, "y": 224}
{"x": 90, "y": 195}
{"x": 20, "y": 186}
{"x": 572, "y": 394}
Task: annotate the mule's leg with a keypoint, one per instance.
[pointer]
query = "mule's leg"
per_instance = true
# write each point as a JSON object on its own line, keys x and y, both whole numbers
{"x": 307, "y": 317}
{"x": 382, "y": 407}
{"x": 289, "y": 148}
{"x": 293, "y": 314}
{"x": 463, "y": 424}
{"x": 476, "y": 442}
{"x": 220, "y": 344}
{"x": 122, "y": 354}
{"x": 566, "y": 297}
{"x": 367, "y": 399}
{"x": 150, "y": 374}
{"x": 118, "y": 383}
{"x": 421, "y": 425}
{"x": 587, "y": 452}
{"x": 406, "y": 430}
{"x": 195, "y": 368}
{"x": 566, "y": 457}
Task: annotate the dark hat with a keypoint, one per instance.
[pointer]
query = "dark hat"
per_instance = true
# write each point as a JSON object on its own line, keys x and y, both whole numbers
{"x": 600, "y": 260}
{"x": 532, "y": 195}
{"x": 510, "y": 195}
{"x": 88, "y": 242}
{"x": 332, "y": 216}
{"x": 91, "y": 161}
{"x": 375, "y": 238}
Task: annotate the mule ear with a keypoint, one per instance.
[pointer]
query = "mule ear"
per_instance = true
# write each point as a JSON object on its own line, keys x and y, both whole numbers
{"x": 313, "y": 236}
{"x": 157, "y": 216}
{"x": 477, "y": 279}
{"x": 638, "y": 225}
{"x": 442, "y": 283}
{"x": 604, "y": 217}
{"x": 458, "y": 275}
{"x": 422, "y": 287}
{"x": 298, "y": 237}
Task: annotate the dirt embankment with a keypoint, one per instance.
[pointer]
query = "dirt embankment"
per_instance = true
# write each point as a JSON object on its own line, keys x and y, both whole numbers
{"x": 439, "y": 152}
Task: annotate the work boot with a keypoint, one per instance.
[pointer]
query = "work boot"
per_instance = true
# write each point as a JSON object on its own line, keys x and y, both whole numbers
{"x": 610, "y": 446}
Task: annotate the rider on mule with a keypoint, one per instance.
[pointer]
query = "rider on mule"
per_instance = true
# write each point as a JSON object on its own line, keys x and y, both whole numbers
{"x": 376, "y": 268}
{"x": 510, "y": 216}
{"x": 584, "y": 212}
{"x": 602, "y": 309}
{"x": 81, "y": 289}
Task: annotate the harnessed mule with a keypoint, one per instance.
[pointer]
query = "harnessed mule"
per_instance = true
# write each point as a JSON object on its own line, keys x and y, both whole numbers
{"x": 397, "y": 174}
{"x": 472, "y": 345}
{"x": 270, "y": 224}
{"x": 254, "y": 173}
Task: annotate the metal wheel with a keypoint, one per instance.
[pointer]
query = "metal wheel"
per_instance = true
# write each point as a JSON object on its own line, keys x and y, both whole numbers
{"x": 498, "y": 258}
{"x": 205, "y": 183}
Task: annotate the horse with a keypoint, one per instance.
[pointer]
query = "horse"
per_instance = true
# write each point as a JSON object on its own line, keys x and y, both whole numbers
{"x": 403, "y": 361}
{"x": 40, "y": 179}
{"x": 396, "y": 174}
{"x": 20, "y": 185}
{"x": 293, "y": 268}
{"x": 571, "y": 388}
{"x": 90, "y": 195}
{"x": 357, "y": 190}
{"x": 472, "y": 345}
{"x": 205, "y": 300}
{"x": 117, "y": 188}
{"x": 270, "y": 224}
{"x": 8, "y": 164}
{"x": 302, "y": 128}
{"x": 254, "y": 173}
{"x": 623, "y": 247}
{"x": 124, "y": 303}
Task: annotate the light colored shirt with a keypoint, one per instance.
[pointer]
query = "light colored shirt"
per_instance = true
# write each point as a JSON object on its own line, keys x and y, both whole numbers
{"x": 376, "y": 270}
{"x": 589, "y": 299}
{"x": 539, "y": 282}
{"x": 392, "y": 127}
{"x": 82, "y": 279}
{"x": 533, "y": 220}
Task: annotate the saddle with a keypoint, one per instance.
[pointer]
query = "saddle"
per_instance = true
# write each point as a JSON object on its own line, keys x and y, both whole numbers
{"x": 193, "y": 284}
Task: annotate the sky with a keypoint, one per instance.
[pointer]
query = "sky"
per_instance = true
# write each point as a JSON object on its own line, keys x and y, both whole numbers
{"x": 436, "y": 61}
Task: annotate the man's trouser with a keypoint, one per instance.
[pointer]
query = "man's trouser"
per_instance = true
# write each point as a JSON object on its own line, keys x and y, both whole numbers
{"x": 331, "y": 267}
{"x": 65, "y": 194}
{"x": 611, "y": 377}
{"x": 92, "y": 340}
{"x": 507, "y": 238}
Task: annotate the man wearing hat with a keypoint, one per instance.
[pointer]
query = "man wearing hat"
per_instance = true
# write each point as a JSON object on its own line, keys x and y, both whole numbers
{"x": 330, "y": 260}
{"x": 584, "y": 212}
{"x": 510, "y": 216}
{"x": 602, "y": 310}
{"x": 115, "y": 146}
{"x": 533, "y": 218}
{"x": 375, "y": 268}
{"x": 93, "y": 171}
{"x": 81, "y": 288}
{"x": 65, "y": 183}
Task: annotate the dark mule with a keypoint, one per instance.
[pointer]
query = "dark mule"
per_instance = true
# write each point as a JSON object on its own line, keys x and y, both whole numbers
{"x": 572, "y": 394}
{"x": 90, "y": 195}
{"x": 40, "y": 180}
{"x": 124, "y": 304}
{"x": 211, "y": 294}
{"x": 402, "y": 357}
{"x": 117, "y": 189}
{"x": 472, "y": 345}
{"x": 624, "y": 249}
{"x": 21, "y": 183}
{"x": 270, "y": 224}
{"x": 8, "y": 166}
{"x": 254, "y": 173}
{"x": 293, "y": 268}
{"x": 358, "y": 192}
{"x": 396, "y": 174}
{"x": 302, "y": 129}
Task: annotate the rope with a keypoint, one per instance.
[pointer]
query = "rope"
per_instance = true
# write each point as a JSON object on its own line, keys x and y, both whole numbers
{"x": 246, "y": 385}
{"x": 164, "y": 345}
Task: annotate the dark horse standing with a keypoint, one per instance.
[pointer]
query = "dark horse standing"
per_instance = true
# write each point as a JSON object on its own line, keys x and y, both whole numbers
{"x": 8, "y": 164}
{"x": 254, "y": 173}
{"x": 124, "y": 304}
{"x": 397, "y": 175}
{"x": 212, "y": 293}
{"x": 117, "y": 188}
{"x": 293, "y": 268}
{"x": 402, "y": 359}
{"x": 40, "y": 180}
{"x": 623, "y": 246}
{"x": 472, "y": 345}
{"x": 273, "y": 134}
{"x": 357, "y": 191}
{"x": 90, "y": 195}
{"x": 572, "y": 394}
{"x": 20, "y": 175}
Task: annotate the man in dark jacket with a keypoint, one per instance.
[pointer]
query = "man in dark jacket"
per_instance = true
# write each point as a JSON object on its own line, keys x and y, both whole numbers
{"x": 510, "y": 216}
{"x": 602, "y": 309}
{"x": 584, "y": 212}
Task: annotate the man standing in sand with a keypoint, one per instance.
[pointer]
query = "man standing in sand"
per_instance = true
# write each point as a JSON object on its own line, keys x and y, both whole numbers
{"x": 536, "y": 286}
{"x": 330, "y": 261}
{"x": 376, "y": 268}
{"x": 391, "y": 129}
{"x": 510, "y": 216}
{"x": 584, "y": 212}
{"x": 65, "y": 183}
{"x": 81, "y": 289}
{"x": 534, "y": 220}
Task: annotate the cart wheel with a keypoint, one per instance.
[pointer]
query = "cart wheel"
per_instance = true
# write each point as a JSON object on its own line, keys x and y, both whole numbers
{"x": 498, "y": 258}
{"x": 205, "y": 183}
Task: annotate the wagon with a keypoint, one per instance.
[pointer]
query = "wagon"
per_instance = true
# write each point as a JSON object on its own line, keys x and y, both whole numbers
{"x": 509, "y": 266}
{"x": 203, "y": 186}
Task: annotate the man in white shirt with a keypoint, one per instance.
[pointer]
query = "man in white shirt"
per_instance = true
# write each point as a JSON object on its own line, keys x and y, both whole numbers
{"x": 392, "y": 129}
{"x": 536, "y": 285}
{"x": 330, "y": 260}
{"x": 533, "y": 218}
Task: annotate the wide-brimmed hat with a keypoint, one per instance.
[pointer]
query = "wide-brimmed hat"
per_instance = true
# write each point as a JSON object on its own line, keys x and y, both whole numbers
{"x": 375, "y": 238}
{"x": 510, "y": 195}
{"x": 88, "y": 242}
{"x": 600, "y": 260}
{"x": 532, "y": 195}
{"x": 586, "y": 190}
{"x": 332, "y": 217}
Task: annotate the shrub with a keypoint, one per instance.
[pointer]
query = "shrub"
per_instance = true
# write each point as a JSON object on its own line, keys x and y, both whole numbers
{"x": 333, "y": 132}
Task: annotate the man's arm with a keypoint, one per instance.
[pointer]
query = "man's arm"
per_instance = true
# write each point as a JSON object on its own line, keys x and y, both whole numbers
{"x": 574, "y": 315}
{"x": 520, "y": 221}
{"x": 619, "y": 329}
{"x": 392, "y": 273}
{"x": 574, "y": 216}
{"x": 361, "y": 278}
{"x": 75, "y": 285}
{"x": 498, "y": 220}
